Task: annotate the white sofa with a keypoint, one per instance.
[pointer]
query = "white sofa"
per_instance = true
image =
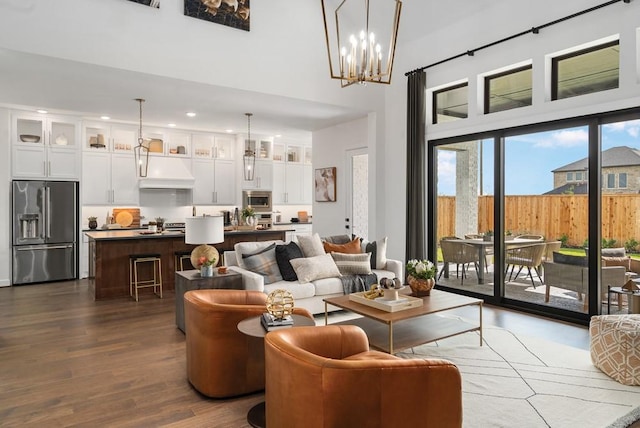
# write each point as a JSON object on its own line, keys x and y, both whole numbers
{"x": 308, "y": 295}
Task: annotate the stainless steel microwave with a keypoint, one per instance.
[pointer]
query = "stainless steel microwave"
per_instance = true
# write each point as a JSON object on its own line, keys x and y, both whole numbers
{"x": 259, "y": 200}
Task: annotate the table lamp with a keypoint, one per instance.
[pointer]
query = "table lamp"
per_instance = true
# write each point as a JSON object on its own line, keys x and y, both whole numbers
{"x": 202, "y": 231}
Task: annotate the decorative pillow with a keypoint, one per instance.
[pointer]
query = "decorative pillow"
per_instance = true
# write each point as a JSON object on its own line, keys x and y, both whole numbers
{"x": 613, "y": 252}
{"x": 378, "y": 250}
{"x": 311, "y": 245}
{"x": 251, "y": 247}
{"x": 618, "y": 261}
{"x": 570, "y": 260}
{"x": 353, "y": 264}
{"x": 317, "y": 267}
{"x": 285, "y": 253}
{"x": 338, "y": 239}
{"x": 264, "y": 263}
{"x": 352, "y": 247}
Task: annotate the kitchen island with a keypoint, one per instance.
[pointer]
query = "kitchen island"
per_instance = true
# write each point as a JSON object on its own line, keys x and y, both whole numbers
{"x": 109, "y": 252}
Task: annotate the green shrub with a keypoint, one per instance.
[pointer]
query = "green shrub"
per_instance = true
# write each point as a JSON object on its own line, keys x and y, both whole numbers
{"x": 630, "y": 245}
{"x": 564, "y": 239}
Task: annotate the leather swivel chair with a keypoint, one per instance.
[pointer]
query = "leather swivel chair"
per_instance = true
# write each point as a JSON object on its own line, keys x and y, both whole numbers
{"x": 221, "y": 360}
{"x": 327, "y": 377}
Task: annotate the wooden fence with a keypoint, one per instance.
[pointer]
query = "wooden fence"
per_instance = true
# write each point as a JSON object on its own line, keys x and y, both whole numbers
{"x": 552, "y": 216}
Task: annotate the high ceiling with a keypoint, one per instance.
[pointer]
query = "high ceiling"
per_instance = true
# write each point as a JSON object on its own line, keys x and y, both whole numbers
{"x": 66, "y": 86}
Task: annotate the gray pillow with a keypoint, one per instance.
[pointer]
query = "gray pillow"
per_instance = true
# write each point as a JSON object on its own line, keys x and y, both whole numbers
{"x": 570, "y": 260}
{"x": 311, "y": 245}
{"x": 264, "y": 263}
{"x": 613, "y": 252}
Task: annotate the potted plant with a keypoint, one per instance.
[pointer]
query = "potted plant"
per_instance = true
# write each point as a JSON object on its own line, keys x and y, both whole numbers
{"x": 248, "y": 216}
{"x": 421, "y": 276}
{"x": 488, "y": 236}
{"x": 160, "y": 223}
{"x": 205, "y": 263}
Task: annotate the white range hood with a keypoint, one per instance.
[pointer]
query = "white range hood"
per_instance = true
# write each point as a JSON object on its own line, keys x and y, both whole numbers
{"x": 167, "y": 173}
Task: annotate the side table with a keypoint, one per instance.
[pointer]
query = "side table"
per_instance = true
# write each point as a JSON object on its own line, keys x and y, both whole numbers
{"x": 188, "y": 280}
{"x": 253, "y": 327}
{"x": 633, "y": 299}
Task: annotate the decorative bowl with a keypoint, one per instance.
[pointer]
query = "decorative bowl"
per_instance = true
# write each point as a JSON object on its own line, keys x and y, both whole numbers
{"x": 26, "y": 138}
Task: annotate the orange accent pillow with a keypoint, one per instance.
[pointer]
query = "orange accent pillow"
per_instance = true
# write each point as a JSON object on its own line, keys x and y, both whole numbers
{"x": 352, "y": 247}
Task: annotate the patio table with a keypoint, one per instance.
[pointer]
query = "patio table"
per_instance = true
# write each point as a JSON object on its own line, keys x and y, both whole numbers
{"x": 481, "y": 246}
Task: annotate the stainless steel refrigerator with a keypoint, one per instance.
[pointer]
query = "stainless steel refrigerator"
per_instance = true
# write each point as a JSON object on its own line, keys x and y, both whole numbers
{"x": 45, "y": 231}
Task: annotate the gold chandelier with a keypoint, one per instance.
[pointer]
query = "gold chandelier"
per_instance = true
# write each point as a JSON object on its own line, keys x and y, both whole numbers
{"x": 354, "y": 47}
{"x": 141, "y": 152}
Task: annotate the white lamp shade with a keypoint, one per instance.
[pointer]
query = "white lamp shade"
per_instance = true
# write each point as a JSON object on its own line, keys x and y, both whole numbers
{"x": 204, "y": 230}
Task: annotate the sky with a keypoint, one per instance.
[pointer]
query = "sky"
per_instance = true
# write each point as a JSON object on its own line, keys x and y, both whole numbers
{"x": 530, "y": 158}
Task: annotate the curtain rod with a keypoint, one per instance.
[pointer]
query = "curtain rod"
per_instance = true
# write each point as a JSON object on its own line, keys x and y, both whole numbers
{"x": 534, "y": 30}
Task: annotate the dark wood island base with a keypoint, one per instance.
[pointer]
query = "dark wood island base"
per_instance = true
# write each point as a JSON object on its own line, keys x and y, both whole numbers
{"x": 109, "y": 256}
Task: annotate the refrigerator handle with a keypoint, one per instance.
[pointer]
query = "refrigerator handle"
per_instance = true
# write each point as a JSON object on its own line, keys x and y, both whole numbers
{"x": 48, "y": 211}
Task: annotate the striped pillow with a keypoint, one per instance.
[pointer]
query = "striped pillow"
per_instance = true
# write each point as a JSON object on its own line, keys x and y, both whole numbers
{"x": 353, "y": 264}
{"x": 264, "y": 263}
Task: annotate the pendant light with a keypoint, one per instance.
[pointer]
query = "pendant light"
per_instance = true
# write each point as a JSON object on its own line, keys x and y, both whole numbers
{"x": 141, "y": 152}
{"x": 361, "y": 39}
{"x": 249, "y": 158}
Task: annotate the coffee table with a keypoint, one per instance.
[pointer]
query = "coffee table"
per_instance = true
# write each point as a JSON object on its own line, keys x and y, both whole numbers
{"x": 394, "y": 331}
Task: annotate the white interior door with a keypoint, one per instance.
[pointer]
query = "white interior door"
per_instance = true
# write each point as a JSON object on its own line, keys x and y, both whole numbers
{"x": 357, "y": 218}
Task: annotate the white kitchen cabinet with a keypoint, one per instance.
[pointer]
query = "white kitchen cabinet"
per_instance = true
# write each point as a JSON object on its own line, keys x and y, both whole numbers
{"x": 45, "y": 147}
{"x": 102, "y": 137}
{"x": 178, "y": 144}
{"x": 291, "y": 184}
{"x": 109, "y": 179}
{"x": 263, "y": 176}
{"x": 214, "y": 182}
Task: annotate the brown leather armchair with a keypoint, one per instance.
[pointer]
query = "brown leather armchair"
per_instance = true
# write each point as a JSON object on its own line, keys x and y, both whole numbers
{"x": 327, "y": 377}
{"x": 222, "y": 361}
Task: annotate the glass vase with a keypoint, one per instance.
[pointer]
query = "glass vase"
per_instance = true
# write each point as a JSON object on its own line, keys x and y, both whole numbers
{"x": 206, "y": 271}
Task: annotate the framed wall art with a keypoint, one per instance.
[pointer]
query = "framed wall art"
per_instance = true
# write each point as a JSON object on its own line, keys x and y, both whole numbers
{"x": 232, "y": 13}
{"x": 325, "y": 184}
{"x": 152, "y": 3}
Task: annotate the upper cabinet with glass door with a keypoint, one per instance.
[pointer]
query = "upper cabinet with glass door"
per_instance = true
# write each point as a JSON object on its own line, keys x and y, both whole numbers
{"x": 224, "y": 147}
{"x": 110, "y": 137}
{"x": 48, "y": 131}
{"x": 178, "y": 144}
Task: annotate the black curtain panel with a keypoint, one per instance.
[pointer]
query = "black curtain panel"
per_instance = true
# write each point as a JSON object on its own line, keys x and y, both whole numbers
{"x": 416, "y": 159}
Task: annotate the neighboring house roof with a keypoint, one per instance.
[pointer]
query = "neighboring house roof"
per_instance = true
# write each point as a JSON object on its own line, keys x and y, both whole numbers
{"x": 615, "y": 156}
{"x": 570, "y": 189}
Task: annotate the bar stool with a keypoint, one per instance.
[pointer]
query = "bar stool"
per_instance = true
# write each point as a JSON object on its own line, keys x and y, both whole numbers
{"x": 180, "y": 257}
{"x": 135, "y": 282}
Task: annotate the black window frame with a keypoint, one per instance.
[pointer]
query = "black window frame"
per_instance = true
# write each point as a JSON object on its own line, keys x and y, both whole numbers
{"x": 487, "y": 81}
{"x": 555, "y": 60}
{"x": 434, "y": 98}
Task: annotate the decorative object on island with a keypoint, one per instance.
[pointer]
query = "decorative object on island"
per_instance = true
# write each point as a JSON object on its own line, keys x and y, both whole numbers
{"x": 325, "y": 184}
{"x": 152, "y": 226}
{"x": 488, "y": 236}
{"x": 421, "y": 276}
{"x": 93, "y": 222}
{"x": 203, "y": 231}
{"x": 141, "y": 152}
{"x": 249, "y": 216}
{"x": 361, "y": 61}
{"x": 160, "y": 223}
{"x": 249, "y": 158}
{"x": 280, "y": 304}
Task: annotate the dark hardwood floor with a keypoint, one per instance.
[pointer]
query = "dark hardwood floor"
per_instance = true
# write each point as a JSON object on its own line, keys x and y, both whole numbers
{"x": 67, "y": 360}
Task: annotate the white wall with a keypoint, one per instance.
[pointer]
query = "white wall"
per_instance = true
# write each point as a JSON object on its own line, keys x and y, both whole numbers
{"x": 5, "y": 196}
{"x": 486, "y": 27}
{"x": 329, "y": 149}
{"x": 283, "y": 54}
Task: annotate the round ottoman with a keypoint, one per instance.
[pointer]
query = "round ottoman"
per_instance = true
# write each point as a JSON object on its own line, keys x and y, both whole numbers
{"x": 615, "y": 346}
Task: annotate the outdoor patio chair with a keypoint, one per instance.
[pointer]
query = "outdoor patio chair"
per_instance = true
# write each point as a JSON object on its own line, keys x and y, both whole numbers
{"x": 552, "y": 246}
{"x": 529, "y": 256}
{"x": 532, "y": 237}
{"x": 460, "y": 254}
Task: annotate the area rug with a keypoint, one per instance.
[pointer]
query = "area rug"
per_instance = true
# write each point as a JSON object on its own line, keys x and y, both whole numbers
{"x": 518, "y": 381}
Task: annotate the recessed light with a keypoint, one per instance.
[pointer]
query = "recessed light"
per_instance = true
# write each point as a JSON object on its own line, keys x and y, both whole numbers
{"x": 42, "y": 111}
{"x": 278, "y": 135}
{"x": 191, "y": 114}
{"x": 105, "y": 117}
{"x": 172, "y": 125}
{"x": 229, "y": 131}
